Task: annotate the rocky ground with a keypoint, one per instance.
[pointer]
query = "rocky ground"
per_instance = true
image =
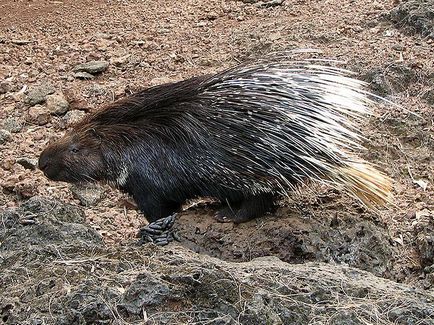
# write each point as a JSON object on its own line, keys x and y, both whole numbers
{"x": 79, "y": 263}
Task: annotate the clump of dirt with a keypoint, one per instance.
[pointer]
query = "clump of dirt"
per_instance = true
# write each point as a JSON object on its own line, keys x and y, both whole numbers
{"x": 76, "y": 279}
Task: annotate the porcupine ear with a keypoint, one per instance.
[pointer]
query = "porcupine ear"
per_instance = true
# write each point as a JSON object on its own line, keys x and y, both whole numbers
{"x": 94, "y": 133}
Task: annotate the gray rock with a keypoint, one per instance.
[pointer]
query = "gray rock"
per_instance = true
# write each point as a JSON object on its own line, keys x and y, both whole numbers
{"x": 83, "y": 75}
{"x": 4, "y": 87}
{"x": 394, "y": 78}
{"x": 429, "y": 96}
{"x": 38, "y": 95}
{"x": 415, "y": 15}
{"x": 57, "y": 104}
{"x": 27, "y": 163}
{"x": 13, "y": 124}
{"x": 73, "y": 116}
{"x": 21, "y": 41}
{"x": 4, "y": 136}
{"x": 92, "y": 67}
{"x": 147, "y": 290}
{"x": 265, "y": 3}
{"x": 88, "y": 195}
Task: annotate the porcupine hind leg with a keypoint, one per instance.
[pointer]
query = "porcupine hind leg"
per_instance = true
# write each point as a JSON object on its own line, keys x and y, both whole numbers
{"x": 247, "y": 209}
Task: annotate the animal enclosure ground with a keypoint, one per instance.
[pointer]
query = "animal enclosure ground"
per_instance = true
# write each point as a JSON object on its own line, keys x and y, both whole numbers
{"x": 151, "y": 42}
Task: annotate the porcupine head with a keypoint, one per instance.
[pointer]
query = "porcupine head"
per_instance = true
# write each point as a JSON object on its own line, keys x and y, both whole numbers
{"x": 77, "y": 157}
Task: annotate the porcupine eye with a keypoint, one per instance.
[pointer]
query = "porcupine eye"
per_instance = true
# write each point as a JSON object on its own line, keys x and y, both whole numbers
{"x": 74, "y": 149}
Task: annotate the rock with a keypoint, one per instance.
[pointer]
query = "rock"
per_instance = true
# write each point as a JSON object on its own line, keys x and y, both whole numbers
{"x": 415, "y": 15}
{"x": 38, "y": 95}
{"x": 44, "y": 239}
{"x": 212, "y": 15}
{"x": 27, "y": 163}
{"x": 21, "y": 41}
{"x": 388, "y": 80}
{"x": 57, "y": 104}
{"x": 429, "y": 96}
{"x": 73, "y": 117}
{"x": 265, "y": 3}
{"x": 13, "y": 124}
{"x": 4, "y": 87}
{"x": 119, "y": 61}
{"x": 4, "y": 136}
{"x": 83, "y": 75}
{"x": 147, "y": 290}
{"x": 88, "y": 195}
{"x": 102, "y": 36}
{"x": 92, "y": 67}
{"x": 424, "y": 233}
{"x": 38, "y": 115}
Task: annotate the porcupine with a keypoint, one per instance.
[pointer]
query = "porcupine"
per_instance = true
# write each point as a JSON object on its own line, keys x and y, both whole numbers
{"x": 246, "y": 136}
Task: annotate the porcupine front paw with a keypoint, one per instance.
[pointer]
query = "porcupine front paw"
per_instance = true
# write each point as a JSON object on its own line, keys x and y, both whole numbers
{"x": 159, "y": 232}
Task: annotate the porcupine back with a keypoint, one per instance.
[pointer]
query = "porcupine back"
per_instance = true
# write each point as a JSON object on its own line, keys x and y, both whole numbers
{"x": 264, "y": 126}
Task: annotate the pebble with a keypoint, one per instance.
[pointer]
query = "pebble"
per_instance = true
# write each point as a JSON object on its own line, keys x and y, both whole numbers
{"x": 73, "y": 117}
{"x": 120, "y": 60}
{"x": 39, "y": 94}
{"x": 57, "y": 104}
{"x": 38, "y": 115}
{"x": 27, "y": 163}
{"x": 4, "y": 136}
{"x": 83, "y": 75}
{"x": 92, "y": 67}
{"x": 212, "y": 15}
{"x": 429, "y": 96}
{"x": 13, "y": 125}
{"x": 21, "y": 41}
{"x": 398, "y": 47}
{"x": 4, "y": 87}
{"x": 88, "y": 195}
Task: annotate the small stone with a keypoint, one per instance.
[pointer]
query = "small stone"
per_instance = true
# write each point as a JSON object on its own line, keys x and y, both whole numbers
{"x": 88, "y": 195}
{"x": 83, "y": 75}
{"x": 271, "y": 3}
{"x": 429, "y": 96}
{"x": 212, "y": 15}
{"x": 13, "y": 125}
{"x": 21, "y": 41}
{"x": 8, "y": 163}
{"x": 27, "y": 163}
{"x": 102, "y": 36}
{"x": 4, "y": 87}
{"x": 398, "y": 47}
{"x": 4, "y": 136}
{"x": 73, "y": 117}
{"x": 120, "y": 60}
{"x": 57, "y": 104}
{"x": 92, "y": 67}
{"x": 38, "y": 95}
{"x": 38, "y": 115}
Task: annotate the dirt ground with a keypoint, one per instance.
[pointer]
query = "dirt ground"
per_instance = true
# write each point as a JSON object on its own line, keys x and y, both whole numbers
{"x": 152, "y": 42}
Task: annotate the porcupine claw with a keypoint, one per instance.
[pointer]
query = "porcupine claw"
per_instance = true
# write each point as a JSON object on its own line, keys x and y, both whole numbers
{"x": 159, "y": 232}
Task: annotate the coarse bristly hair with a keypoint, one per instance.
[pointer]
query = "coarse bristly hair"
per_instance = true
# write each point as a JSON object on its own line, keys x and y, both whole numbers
{"x": 260, "y": 127}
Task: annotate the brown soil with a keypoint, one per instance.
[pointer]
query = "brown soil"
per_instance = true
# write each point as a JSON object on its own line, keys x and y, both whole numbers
{"x": 172, "y": 40}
